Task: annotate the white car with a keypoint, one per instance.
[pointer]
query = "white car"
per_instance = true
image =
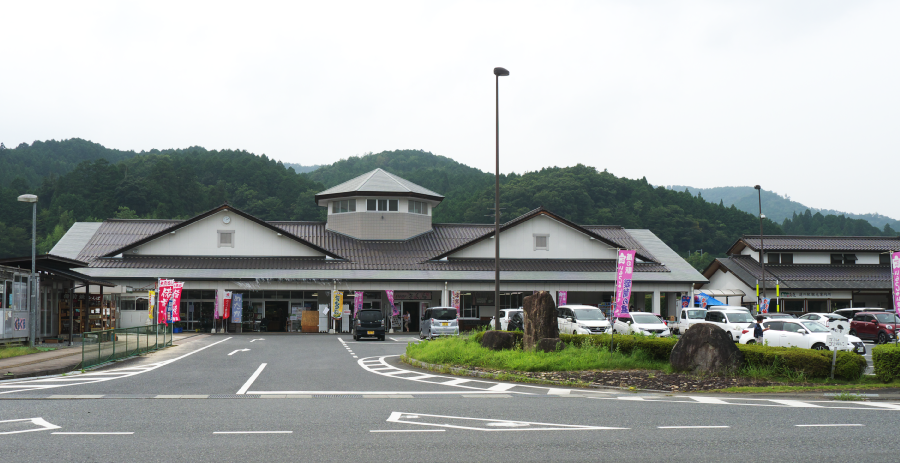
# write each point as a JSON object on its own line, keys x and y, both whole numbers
{"x": 689, "y": 317}
{"x": 733, "y": 321}
{"x": 806, "y": 334}
{"x": 831, "y": 321}
{"x": 640, "y": 323}
{"x": 505, "y": 315}
{"x": 581, "y": 319}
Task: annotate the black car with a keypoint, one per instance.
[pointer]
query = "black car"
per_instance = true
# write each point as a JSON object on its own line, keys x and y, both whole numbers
{"x": 369, "y": 324}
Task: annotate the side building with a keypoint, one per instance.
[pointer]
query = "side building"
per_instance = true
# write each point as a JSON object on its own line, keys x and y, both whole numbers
{"x": 814, "y": 273}
{"x": 378, "y": 237}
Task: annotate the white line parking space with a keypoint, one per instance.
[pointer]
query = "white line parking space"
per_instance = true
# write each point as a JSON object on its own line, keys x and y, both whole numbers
{"x": 379, "y": 366}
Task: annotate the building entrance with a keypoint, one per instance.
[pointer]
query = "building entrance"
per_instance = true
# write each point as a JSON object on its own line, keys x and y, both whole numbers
{"x": 412, "y": 308}
{"x": 276, "y": 315}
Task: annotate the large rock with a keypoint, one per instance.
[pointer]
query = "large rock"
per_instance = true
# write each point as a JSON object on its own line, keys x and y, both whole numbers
{"x": 550, "y": 345}
{"x": 498, "y": 340}
{"x": 540, "y": 319}
{"x": 706, "y": 348}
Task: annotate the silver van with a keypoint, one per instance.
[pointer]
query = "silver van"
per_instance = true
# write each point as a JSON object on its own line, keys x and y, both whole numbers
{"x": 439, "y": 321}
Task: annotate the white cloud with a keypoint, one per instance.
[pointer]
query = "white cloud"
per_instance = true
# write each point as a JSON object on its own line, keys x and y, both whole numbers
{"x": 797, "y": 96}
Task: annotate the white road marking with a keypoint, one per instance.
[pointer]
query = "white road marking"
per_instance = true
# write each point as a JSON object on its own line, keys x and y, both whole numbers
{"x": 239, "y": 350}
{"x": 257, "y": 339}
{"x": 691, "y": 427}
{"x": 485, "y": 424}
{"x": 824, "y": 425}
{"x": 707, "y": 400}
{"x": 484, "y": 393}
{"x": 761, "y": 402}
{"x": 407, "y": 430}
{"x": 795, "y": 403}
{"x": 94, "y": 433}
{"x": 502, "y": 387}
{"x": 243, "y": 389}
{"x": 88, "y": 378}
{"x": 456, "y": 382}
{"x": 253, "y": 432}
{"x": 44, "y": 425}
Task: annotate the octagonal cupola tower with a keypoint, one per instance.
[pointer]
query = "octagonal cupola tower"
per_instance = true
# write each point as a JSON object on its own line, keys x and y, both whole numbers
{"x": 379, "y": 205}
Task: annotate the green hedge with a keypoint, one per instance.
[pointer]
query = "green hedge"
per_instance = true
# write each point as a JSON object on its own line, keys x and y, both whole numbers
{"x": 886, "y": 358}
{"x": 812, "y": 363}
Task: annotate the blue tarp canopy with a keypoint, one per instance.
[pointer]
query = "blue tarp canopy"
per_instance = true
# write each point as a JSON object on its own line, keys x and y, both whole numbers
{"x": 711, "y": 300}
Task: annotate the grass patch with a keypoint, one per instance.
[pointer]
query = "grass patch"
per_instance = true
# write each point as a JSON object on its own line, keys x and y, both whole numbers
{"x": 465, "y": 351}
{"x": 847, "y": 396}
{"x": 15, "y": 351}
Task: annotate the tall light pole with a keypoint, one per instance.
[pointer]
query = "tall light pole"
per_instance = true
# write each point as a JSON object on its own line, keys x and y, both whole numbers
{"x": 32, "y": 289}
{"x": 498, "y": 72}
{"x": 762, "y": 262}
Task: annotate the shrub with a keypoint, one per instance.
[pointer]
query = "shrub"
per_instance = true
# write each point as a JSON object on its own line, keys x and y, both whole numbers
{"x": 811, "y": 363}
{"x": 656, "y": 348}
{"x": 886, "y": 358}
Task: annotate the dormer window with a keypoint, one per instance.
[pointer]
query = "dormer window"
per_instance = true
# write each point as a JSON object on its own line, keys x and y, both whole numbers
{"x": 226, "y": 239}
{"x": 541, "y": 242}
{"x": 837, "y": 259}
{"x": 418, "y": 207}
{"x": 383, "y": 205}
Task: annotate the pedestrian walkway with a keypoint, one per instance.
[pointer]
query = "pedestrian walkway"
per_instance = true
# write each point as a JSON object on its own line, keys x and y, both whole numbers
{"x": 53, "y": 362}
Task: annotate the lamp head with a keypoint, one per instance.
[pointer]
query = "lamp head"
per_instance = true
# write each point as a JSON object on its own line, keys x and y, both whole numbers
{"x": 500, "y": 72}
{"x": 28, "y": 198}
{"x": 762, "y": 216}
{"x": 756, "y": 187}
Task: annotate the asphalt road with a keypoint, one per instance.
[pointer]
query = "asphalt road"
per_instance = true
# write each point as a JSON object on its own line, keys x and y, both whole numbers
{"x": 327, "y": 398}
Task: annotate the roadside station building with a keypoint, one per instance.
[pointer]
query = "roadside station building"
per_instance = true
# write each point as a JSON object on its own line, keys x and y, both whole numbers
{"x": 815, "y": 273}
{"x": 378, "y": 236}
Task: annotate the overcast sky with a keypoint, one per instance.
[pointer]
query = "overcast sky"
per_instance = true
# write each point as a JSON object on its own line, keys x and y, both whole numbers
{"x": 799, "y": 96}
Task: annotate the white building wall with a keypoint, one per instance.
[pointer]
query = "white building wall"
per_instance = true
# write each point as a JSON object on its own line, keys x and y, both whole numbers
{"x": 201, "y": 239}
{"x": 727, "y": 280}
{"x": 518, "y": 243}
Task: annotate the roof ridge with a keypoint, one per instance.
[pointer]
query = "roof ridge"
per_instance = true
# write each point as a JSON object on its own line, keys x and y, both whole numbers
{"x": 393, "y": 177}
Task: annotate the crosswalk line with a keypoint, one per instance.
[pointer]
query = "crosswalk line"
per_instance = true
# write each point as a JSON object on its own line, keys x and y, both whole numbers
{"x": 502, "y": 387}
{"x": 795, "y": 403}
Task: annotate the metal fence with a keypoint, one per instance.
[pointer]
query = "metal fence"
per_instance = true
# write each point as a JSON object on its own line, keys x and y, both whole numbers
{"x": 108, "y": 345}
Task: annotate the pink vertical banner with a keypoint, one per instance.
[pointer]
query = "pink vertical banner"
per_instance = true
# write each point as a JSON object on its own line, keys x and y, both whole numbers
{"x": 454, "y": 301}
{"x": 394, "y": 310}
{"x": 563, "y": 297}
{"x": 895, "y": 279}
{"x": 216, "y": 306}
{"x": 176, "y": 301}
{"x": 624, "y": 274}
{"x": 357, "y": 302}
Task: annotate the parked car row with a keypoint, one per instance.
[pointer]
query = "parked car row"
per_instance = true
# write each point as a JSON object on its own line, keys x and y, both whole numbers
{"x": 806, "y": 334}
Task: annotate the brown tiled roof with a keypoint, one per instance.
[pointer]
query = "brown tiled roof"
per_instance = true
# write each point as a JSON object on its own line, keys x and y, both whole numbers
{"x": 825, "y": 243}
{"x": 810, "y": 276}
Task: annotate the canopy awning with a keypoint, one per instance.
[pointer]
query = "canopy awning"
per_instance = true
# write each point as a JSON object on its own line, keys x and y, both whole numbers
{"x": 720, "y": 292}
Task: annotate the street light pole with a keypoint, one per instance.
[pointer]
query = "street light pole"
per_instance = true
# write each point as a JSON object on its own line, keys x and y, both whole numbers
{"x": 498, "y": 72}
{"x": 32, "y": 287}
{"x": 762, "y": 262}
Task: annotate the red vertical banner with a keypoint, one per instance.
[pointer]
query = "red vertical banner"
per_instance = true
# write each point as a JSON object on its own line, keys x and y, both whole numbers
{"x": 226, "y": 303}
{"x": 166, "y": 288}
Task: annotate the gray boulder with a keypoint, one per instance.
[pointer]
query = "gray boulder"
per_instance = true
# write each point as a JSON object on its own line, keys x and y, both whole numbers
{"x": 550, "y": 345}
{"x": 498, "y": 340}
{"x": 706, "y": 348}
{"x": 540, "y": 319}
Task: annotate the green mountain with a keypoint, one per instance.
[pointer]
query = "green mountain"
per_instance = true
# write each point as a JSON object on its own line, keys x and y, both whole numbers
{"x": 45, "y": 158}
{"x": 301, "y": 169}
{"x": 779, "y": 208}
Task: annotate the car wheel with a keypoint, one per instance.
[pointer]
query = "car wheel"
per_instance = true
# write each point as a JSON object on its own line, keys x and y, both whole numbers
{"x": 381, "y": 338}
{"x": 752, "y": 341}
{"x": 574, "y": 332}
{"x": 882, "y": 338}
{"x": 852, "y": 332}
{"x": 820, "y": 346}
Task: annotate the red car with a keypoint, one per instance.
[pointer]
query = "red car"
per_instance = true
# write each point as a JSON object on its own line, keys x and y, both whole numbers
{"x": 881, "y": 327}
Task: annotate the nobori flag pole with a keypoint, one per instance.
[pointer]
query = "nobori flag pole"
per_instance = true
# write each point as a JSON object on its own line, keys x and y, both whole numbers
{"x": 777, "y": 296}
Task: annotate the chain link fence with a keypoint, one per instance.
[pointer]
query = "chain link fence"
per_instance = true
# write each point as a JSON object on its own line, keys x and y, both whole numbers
{"x": 108, "y": 345}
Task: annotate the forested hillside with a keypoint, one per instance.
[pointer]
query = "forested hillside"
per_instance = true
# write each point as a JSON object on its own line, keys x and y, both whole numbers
{"x": 184, "y": 182}
{"x": 780, "y": 208}
{"x": 43, "y": 158}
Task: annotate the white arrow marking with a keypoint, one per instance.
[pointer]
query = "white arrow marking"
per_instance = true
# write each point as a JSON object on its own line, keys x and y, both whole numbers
{"x": 239, "y": 350}
{"x": 36, "y": 421}
{"x": 257, "y": 339}
{"x": 483, "y": 424}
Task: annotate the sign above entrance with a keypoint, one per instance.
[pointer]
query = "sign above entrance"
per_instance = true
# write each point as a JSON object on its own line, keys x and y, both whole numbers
{"x": 412, "y": 295}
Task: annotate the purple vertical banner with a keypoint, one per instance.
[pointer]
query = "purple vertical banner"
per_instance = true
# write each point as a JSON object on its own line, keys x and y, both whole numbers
{"x": 563, "y": 297}
{"x": 395, "y": 312}
{"x": 454, "y": 301}
{"x": 624, "y": 273}
{"x": 895, "y": 279}
{"x": 357, "y": 302}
